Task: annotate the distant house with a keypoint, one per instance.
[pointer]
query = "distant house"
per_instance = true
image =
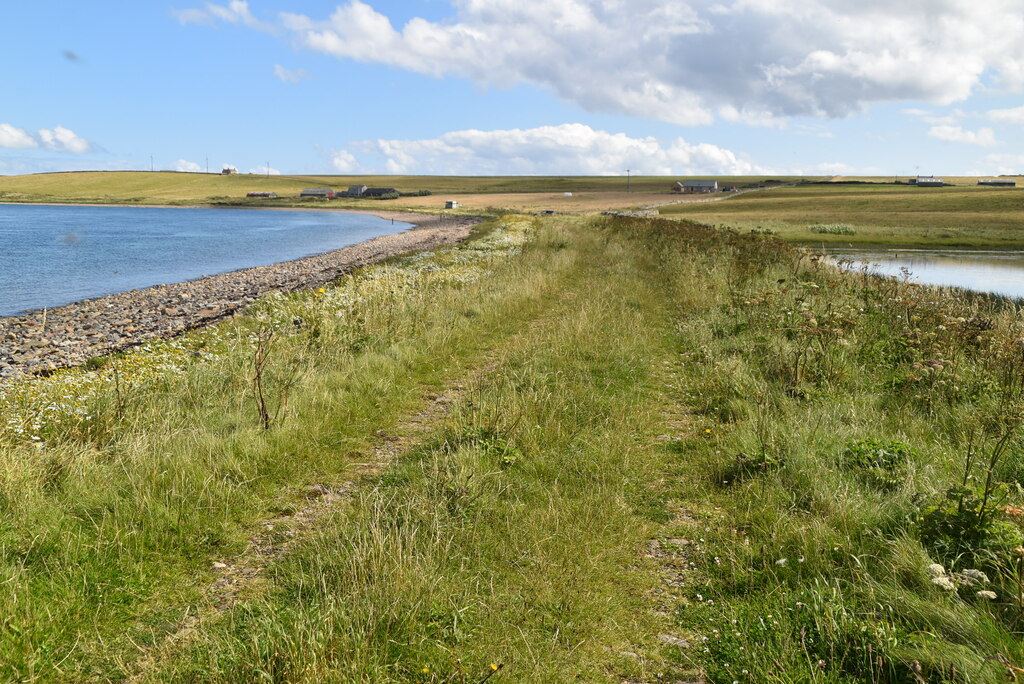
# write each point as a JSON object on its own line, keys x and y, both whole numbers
{"x": 379, "y": 192}
{"x": 928, "y": 182}
{"x": 998, "y": 182}
{"x": 451, "y": 204}
{"x": 317, "y": 192}
{"x": 261, "y": 194}
{"x": 696, "y": 186}
{"x": 356, "y": 191}
{"x": 229, "y": 171}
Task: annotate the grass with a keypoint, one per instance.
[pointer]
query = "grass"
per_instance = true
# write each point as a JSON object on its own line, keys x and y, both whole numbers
{"x": 659, "y": 434}
{"x": 968, "y": 216}
{"x": 486, "y": 194}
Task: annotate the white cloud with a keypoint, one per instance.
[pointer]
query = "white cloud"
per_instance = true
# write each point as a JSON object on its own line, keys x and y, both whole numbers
{"x": 263, "y": 171}
{"x": 687, "y": 63}
{"x": 1010, "y": 164}
{"x": 235, "y": 12}
{"x": 344, "y": 161}
{"x": 64, "y": 140}
{"x": 59, "y": 139}
{"x": 290, "y": 75}
{"x": 16, "y": 138}
{"x": 193, "y": 16}
{"x": 983, "y": 137}
{"x": 1014, "y": 115}
{"x": 547, "y": 150}
{"x": 188, "y": 167}
{"x": 950, "y": 119}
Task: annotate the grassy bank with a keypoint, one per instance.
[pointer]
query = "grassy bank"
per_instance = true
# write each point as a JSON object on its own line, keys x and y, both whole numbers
{"x": 966, "y": 216}
{"x": 655, "y": 452}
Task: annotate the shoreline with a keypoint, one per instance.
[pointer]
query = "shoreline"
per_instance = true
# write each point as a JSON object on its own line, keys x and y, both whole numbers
{"x": 44, "y": 340}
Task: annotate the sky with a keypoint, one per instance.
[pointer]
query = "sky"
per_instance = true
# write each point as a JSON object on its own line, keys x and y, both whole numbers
{"x": 515, "y": 87}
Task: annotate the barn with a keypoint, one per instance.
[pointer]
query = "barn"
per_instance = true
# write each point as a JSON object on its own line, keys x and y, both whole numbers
{"x": 696, "y": 186}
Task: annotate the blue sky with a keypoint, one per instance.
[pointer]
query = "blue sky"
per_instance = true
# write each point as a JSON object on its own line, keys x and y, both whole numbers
{"x": 516, "y": 86}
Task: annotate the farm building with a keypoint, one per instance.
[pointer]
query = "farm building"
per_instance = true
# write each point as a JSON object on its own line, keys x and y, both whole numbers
{"x": 379, "y": 192}
{"x": 928, "y": 182}
{"x": 229, "y": 171}
{"x": 998, "y": 182}
{"x": 317, "y": 192}
{"x": 451, "y": 204}
{"x": 696, "y": 186}
{"x": 261, "y": 194}
{"x": 356, "y": 191}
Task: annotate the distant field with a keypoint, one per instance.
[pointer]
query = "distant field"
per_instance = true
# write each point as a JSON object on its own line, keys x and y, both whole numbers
{"x": 966, "y": 215}
{"x": 849, "y": 210}
{"x": 189, "y": 188}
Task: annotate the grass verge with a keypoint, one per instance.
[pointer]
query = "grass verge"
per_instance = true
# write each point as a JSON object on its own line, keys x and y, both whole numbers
{"x": 682, "y": 453}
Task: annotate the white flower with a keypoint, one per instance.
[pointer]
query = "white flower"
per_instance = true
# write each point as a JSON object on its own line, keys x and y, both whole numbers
{"x": 935, "y": 570}
{"x": 975, "y": 576}
{"x": 782, "y": 562}
{"x": 944, "y": 582}
{"x": 986, "y": 594}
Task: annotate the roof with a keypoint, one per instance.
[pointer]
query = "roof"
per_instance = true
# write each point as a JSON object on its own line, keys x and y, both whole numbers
{"x": 701, "y": 183}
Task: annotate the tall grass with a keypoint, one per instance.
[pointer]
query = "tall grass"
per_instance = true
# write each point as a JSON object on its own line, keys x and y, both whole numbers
{"x": 827, "y": 464}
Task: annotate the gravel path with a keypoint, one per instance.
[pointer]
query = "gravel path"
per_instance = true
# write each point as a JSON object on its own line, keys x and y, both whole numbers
{"x": 44, "y": 340}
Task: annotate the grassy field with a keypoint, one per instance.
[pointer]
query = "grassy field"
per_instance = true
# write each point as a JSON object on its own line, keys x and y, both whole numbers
{"x": 815, "y": 213}
{"x": 198, "y": 188}
{"x": 966, "y": 215}
{"x": 573, "y": 449}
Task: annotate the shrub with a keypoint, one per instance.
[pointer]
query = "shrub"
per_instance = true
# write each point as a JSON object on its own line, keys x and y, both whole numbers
{"x": 962, "y": 526}
{"x": 880, "y": 463}
{"x": 832, "y": 229}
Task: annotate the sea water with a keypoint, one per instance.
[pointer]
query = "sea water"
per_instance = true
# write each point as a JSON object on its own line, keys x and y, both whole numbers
{"x": 55, "y": 255}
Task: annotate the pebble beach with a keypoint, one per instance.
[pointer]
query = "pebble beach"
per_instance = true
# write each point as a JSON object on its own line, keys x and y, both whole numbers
{"x": 48, "y": 339}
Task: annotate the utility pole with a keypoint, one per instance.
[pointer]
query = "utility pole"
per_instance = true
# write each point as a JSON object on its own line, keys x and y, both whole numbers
{"x": 207, "y": 165}
{"x": 268, "y": 169}
{"x": 627, "y": 180}
{"x": 150, "y": 163}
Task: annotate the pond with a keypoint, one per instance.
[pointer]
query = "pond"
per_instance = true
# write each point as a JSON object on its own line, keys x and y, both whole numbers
{"x": 995, "y": 272}
{"x": 55, "y": 255}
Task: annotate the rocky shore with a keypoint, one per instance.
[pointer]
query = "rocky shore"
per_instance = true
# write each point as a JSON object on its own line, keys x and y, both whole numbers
{"x": 44, "y": 340}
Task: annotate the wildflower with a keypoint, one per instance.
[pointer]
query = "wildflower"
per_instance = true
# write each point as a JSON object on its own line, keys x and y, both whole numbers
{"x": 425, "y": 670}
{"x": 707, "y": 431}
{"x": 986, "y": 594}
{"x": 935, "y": 570}
{"x": 782, "y": 562}
{"x": 944, "y": 582}
{"x": 974, "y": 576}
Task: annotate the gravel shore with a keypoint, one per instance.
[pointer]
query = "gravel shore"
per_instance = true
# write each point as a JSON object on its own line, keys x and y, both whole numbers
{"x": 44, "y": 340}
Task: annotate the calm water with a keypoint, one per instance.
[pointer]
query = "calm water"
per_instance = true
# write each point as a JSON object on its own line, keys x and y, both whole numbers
{"x": 999, "y": 273}
{"x": 51, "y": 256}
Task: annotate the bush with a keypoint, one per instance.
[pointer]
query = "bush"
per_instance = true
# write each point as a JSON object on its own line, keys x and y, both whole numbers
{"x": 960, "y": 527}
{"x": 832, "y": 229}
{"x": 880, "y": 463}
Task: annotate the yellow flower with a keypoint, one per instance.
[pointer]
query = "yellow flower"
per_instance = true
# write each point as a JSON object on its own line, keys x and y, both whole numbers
{"x": 707, "y": 430}
{"x": 425, "y": 670}
{"x": 321, "y": 290}
{"x": 494, "y": 666}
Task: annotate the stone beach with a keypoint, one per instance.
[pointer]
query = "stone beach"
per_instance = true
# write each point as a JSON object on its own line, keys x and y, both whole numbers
{"x": 44, "y": 340}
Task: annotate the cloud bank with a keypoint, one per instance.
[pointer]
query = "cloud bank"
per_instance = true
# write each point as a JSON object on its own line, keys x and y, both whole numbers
{"x": 691, "y": 63}
{"x": 548, "y": 150}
